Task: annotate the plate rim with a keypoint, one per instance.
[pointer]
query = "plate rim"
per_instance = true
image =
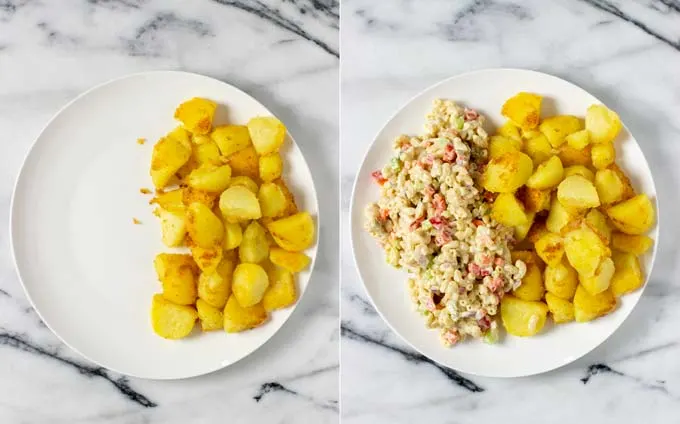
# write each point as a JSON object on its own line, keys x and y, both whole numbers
{"x": 12, "y": 218}
{"x": 353, "y": 241}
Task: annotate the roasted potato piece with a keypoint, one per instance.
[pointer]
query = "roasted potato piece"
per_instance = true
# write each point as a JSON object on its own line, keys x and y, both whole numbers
{"x": 246, "y": 182}
{"x": 570, "y": 156}
{"x": 249, "y": 283}
{"x": 534, "y": 200}
{"x": 291, "y": 261}
{"x": 281, "y": 292}
{"x": 597, "y": 223}
{"x": 585, "y": 251}
{"x": 170, "y": 201}
{"x": 191, "y": 195}
{"x": 602, "y": 124}
{"x": 291, "y": 207}
{"x": 587, "y": 307}
{"x": 578, "y": 140}
{"x": 230, "y": 138}
{"x": 509, "y": 211}
{"x": 628, "y": 275}
{"x": 271, "y": 167}
{"x": 211, "y": 317}
{"x": 635, "y": 244}
{"x": 498, "y": 145}
{"x": 171, "y": 321}
{"x": 633, "y": 216}
{"x": 602, "y": 155}
{"x": 578, "y": 193}
{"x": 532, "y": 287}
{"x": 196, "y": 115}
{"x": 237, "y": 203}
{"x": 254, "y": 248}
{"x": 522, "y": 230}
{"x": 538, "y": 148}
{"x": 238, "y": 318}
{"x": 561, "y": 310}
{"x": 179, "y": 284}
{"x": 628, "y": 190}
{"x": 558, "y": 217}
{"x": 522, "y": 318}
{"x": 294, "y": 233}
{"x": 579, "y": 170}
{"x": 245, "y": 163}
{"x": 233, "y": 235}
{"x": 547, "y": 175}
{"x": 205, "y": 228}
{"x": 600, "y": 281}
{"x": 510, "y": 130}
{"x": 610, "y": 188}
{"x": 272, "y": 200}
{"x": 169, "y": 154}
{"x": 206, "y": 259}
{"x": 173, "y": 228}
{"x": 507, "y": 173}
{"x": 523, "y": 109}
{"x": 550, "y": 248}
{"x": 267, "y": 134}
{"x": 166, "y": 261}
{"x": 210, "y": 178}
{"x": 215, "y": 287}
{"x": 183, "y": 172}
{"x": 206, "y": 152}
{"x": 537, "y": 230}
{"x": 556, "y": 128}
{"x": 561, "y": 280}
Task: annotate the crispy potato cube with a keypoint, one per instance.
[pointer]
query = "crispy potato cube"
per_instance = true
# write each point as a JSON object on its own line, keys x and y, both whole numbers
{"x": 628, "y": 190}
{"x": 602, "y": 123}
{"x": 578, "y": 193}
{"x": 507, "y": 173}
{"x": 534, "y": 200}
{"x": 246, "y": 182}
{"x": 291, "y": 207}
{"x": 570, "y": 156}
{"x": 547, "y": 175}
{"x": 215, "y": 287}
{"x": 169, "y": 154}
{"x": 510, "y": 130}
{"x": 171, "y": 321}
{"x": 532, "y": 287}
{"x": 271, "y": 167}
{"x": 561, "y": 310}
{"x": 523, "y": 109}
{"x": 628, "y": 275}
{"x": 237, "y": 203}
{"x": 602, "y": 155}
{"x": 600, "y": 281}
{"x": 206, "y": 152}
{"x": 210, "y": 178}
{"x": 609, "y": 187}
{"x": 173, "y": 228}
{"x": 597, "y": 223}
{"x": 179, "y": 284}
{"x": 522, "y": 318}
{"x": 509, "y": 211}
{"x": 166, "y": 261}
{"x": 635, "y": 244}
{"x": 233, "y": 235}
{"x": 192, "y": 195}
{"x": 579, "y": 170}
{"x": 267, "y": 134}
{"x": 170, "y": 201}
{"x": 561, "y": 280}
{"x": 211, "y": 317}
{"x": 633, "y": 216}
{"x": 526, "y": 256}
{"x": 550, "y": 248}
{"x": 522, "y": 230}
{"x": 585, "y": 251}
{"x": 498, "y": 145}
{"x": 238, "y": 318}
{"x": 281, "y": 292}
{"x": 196, "y": 115}
{"x": 538, "y": 148}
{"x": 578, "y": 140}
{"x": 249, "y": 283}
{"x": 230, "y": 138}
{"x": 556, "y": 128}
{"x": 530, "y": 133}
{"x": 294, "y": 233}
{"x": 292, "y": 261}
{"x": 183, "y": 172}
{"x": 245, "y": 163}
{"x": 558, "y": 217}
{"x": 204, "y": 227}
{"x": 254, "y": 248}
{"x": 537, "y": 230}
{"x": 206, "y": 259}
{"x": 272, "y": 200}
{"x": 587, "y": 307}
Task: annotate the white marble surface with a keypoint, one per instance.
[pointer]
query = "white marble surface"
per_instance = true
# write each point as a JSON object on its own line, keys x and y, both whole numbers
{"x": 626, "y": 53}
{"x": 283, "y": 53}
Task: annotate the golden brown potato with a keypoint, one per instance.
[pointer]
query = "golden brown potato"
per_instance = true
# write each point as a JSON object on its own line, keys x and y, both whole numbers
{"x": 245, "y": 163}
{"x": 538, "y": 148}
{"x": 558, "y": 217}
{"x": 271, "y": 167}
{"x": 602, "y": 278}
{"x": 597, "y": 223}
{"x": 210, "y": 178}
{"x": 510, "y": 130}
{"x": 628, "y": 275}
{"x": 196, "y": 115}
{"x": 291, "y": 261}
{"x": 233, "y": 235}
{"x": 523, "y": 109}
{"x": 169, "y": 154}
{"x": 166, "y": 261}
{"x": 246, "y": 182}
{"x": 509, "y": 211}
{"x": 205, "y": 229}
{"x": 633, "y": 216}
{"x": 587, "y": 307}
{"x": 635, "y": 244}
{"x": 281, "y": 292}
{"x": 577, "y": 192}
{"x": 173, "y": 228}
{"x": 602, "y": 124}
{"x": 179, "y": 285}
{"x": 206, "y": 259}
{"x": 610, "y": 188}
{"x": 532, "y": 287}
{"x": 550, "y": 248}
{"x": 171, "y": 321}
{"x": 561, "y": 280}
{"x": 570, "y": 156}
{"x": 254, "y": 247}
{"x": 215, "y": 287}
{"x": 507, "y": 173}
{"x": 211, "y": 317}
{"x": 628, "y": 190}
{"x": 291, "y": 207}
{"x": 537, "y": 230}
{"x": 498, "y": 145}
{"x": 191, "y": 195}
{"x": 272, "y": 200}
{"x": 522, "y": 318}
{"x": 556, "y": 128}
{"x": 521, "y": 231}
{"x": 230, "y": 138}
{"x": 579, "y": 170}
{"x": 534, "y": 200}
{"x": 267, "y": 134}
{"x": 561, "y": 310}
{"x": 578, "y": 140}
{"x": 249, "y": 283}
{"x": 171, "y": 201}
{"x": 238, "y": 318}
{"x": 547, "y": 175}
{"x": 237, "y": 203}
{"x": 206, "y": 152}
{"x": 294, "y": 233}
{"x": 602, "y": 155}
{"x": 585, "y": 251}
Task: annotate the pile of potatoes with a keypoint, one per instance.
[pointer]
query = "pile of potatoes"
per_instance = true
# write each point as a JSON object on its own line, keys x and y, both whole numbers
{"x": 220, "y": 194}
{"x": 578, "y": 222}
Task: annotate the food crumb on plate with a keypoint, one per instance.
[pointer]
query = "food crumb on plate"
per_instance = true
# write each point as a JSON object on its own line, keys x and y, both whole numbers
{"x": 136, "y": 221}
{"x": 144, "y": 190}
{"x": 141, "y": 140}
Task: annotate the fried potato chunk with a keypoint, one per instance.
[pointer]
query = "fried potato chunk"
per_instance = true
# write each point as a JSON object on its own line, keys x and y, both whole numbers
{"x": 587, "y": 307}
{"x": 578, "y": 193}
{"x": 281, "y": 292}
{"x": 292, "y": 261}
{"x": 271, "y": 167}
{"x": 196, "y": 115}
{"x": 507, "y": 173}
{"x": 237, "y": 203}
{"x": 523, "y": 318}
{"x": 602, "y": 278}
{"x": 211, "y": 317}
{"x": 498, "y": 145}
{"x": 557, "y": 128}
{"x": 634, "y": 216}
{"x": 532, "y": 287}
{"x": 602, "y": 124}
{"x": 628, "y": 275}
{"x": 238, "y": 318}
{"x": 204, "y": 227}
{"x": 267, "y": 134}
{"x": 523, "y": 109}
{"x": 547, "y": 175}
{"x": 550, "y": 248}
{"x": 272, "y": 200}
{"x": 509, "y": 211}
{"x": 230, "y": 138}
{"x": 249, "y": 283}
{"x": 561, "y": 310}
{"x": 561, "y": 280}
{"x": 169, "y": 154}
{"x": 635, "y": 244}
{"x": 585, "y": 250}
{"x": 254, "y": 247}
{"x": 294, "y": 233}
{"x": 210, "y": 178}
{"x": 171, "y": 321}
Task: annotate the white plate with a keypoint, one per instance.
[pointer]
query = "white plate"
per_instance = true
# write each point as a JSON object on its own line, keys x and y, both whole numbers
{"x": 555, "y": 346}
{"x": 85, "y": 267}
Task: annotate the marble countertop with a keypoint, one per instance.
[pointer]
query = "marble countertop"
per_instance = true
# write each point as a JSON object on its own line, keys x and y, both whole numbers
{"x": 283, "y": 53}
{"x": 627, "y": 53}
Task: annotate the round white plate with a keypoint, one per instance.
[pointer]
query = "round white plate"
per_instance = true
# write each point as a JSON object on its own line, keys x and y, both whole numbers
{"x": 485, "y": 91}
{"x": 86, "y": 268}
